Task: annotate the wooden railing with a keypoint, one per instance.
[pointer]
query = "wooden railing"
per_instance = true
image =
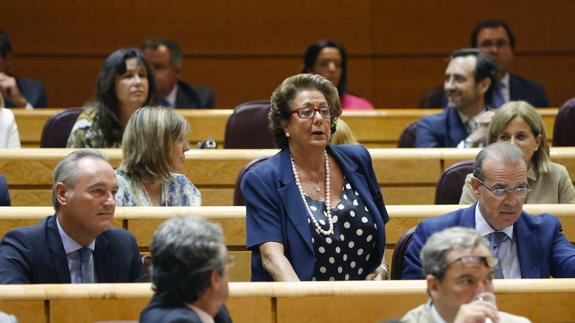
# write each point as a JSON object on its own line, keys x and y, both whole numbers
{"x": 377, "y": 128}
{"x": 541, "y": 300}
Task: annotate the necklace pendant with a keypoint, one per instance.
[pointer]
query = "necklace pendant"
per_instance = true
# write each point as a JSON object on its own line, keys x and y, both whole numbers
{"x": 318, "y": 189}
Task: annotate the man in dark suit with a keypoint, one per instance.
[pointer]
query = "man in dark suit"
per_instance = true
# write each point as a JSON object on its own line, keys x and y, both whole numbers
{"x": 18, "y": 92}
{"x": 165, "y": 58}
{"x": 78, "y": 243}
{"x": 469, "y": 79}
{"x": 190, "y": 277}
{"x": 494, "y": 37}
{"x": 527, "y": 246}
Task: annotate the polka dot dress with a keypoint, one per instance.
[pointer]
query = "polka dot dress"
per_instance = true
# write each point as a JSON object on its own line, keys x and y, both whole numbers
{"x": 351, "y": 250}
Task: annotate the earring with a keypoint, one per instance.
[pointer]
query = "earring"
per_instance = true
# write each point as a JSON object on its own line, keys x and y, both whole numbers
{"x": 287, "y": 135}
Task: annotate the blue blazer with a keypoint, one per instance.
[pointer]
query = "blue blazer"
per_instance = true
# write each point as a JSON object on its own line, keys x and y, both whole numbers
{"x": 35, "y": 255}
{"x": 4, "y": 194}
{"x": 32, "y": 90}
{"x": 275, "y": 210}
{"x": 440, "y": 130}
{"x": 519, "y": 89}
{"x": 193, "y": 97}
{"x": 156, "y": 312}
{"x": 542, "y": 249}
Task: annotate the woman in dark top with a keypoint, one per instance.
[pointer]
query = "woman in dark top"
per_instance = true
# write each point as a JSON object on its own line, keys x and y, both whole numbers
{"x": 314, "y": 210}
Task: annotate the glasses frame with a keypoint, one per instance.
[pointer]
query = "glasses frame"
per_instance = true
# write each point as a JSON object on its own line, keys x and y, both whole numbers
{"x": 298, "y": 111}
{"x": 502, "y": 192}
{"x": 489, "y": 261}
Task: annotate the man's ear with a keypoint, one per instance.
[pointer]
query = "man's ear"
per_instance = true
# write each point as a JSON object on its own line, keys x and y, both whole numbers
{"x": 215, "y": 280}
{"x": 475, "y": 185}
{"x": 432, "y": 286}
{"x": 484, "y": 85}
{"x": 61, "y": 193}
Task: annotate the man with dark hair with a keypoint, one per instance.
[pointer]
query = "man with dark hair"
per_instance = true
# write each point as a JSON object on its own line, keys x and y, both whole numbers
{"x": 458, "y": 268}
{"x": 165, "y": 57}
{"x": 468, "y": 83}
{"x": 17, "y": 92}
{"x": 77, "y": 244}
{"x": 494, "y": 37}
{"x": 527, "y": 246}
{"x": 189, "y": 273}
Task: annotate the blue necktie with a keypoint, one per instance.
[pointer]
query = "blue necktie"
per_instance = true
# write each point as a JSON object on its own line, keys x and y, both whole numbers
{"x": 165, "y": 103}
{"x": 86, "y": 274}
{"x": 499, "y": 100}
{"x": 496, "y": 238}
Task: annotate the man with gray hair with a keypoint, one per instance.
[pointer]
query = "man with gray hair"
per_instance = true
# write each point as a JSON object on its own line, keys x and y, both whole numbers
{"x": 527, "y": 246}
{"x": 78, "y": 243}
{"x": 189, "y": 273}
{"x": 165, "y": 58}
{"x": 458, "y": 268}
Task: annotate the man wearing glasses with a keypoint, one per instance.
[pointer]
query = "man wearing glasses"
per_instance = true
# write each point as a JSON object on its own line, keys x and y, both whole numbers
{"x": 494, "y": 37}
{"x": 527, "y": 246}
{"x": 459, "y": 271}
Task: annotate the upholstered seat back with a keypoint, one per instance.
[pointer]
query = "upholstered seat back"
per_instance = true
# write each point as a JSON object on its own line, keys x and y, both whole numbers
{"x": 239, "y": 199}
{"x": 450, "y": 184}
{"x": 247, "y": 127}
{"x": 57, "y": 129}
{"x": 564, "y": 128}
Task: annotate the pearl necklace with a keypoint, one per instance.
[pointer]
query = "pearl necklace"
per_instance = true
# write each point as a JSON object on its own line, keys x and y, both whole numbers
{"x": 327, "y": 198}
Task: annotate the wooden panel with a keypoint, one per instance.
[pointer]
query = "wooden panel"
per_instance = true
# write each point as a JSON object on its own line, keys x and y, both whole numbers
{"x": 25, "y": 311}
{"x": 93, "y": 310}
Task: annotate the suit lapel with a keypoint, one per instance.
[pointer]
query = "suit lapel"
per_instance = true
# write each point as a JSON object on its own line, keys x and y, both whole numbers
{"x": 57, "y": 254}
{"x": 528, "y": 251}
{"x": 103, "y": 265}
{"x": 291, "y": 198}
{"x": 467, "y": 219}
{"x": 456, "y": 130}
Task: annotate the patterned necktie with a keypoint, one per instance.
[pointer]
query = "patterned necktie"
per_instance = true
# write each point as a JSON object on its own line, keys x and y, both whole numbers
{"x": 499, "y": 100}
{"x": 496, "y": 238}
{"x": 86, "y": 274}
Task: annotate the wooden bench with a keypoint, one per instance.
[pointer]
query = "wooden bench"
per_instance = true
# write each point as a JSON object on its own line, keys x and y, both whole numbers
{"x": 377, "y": 128}
{"x": 406, "y": 176}
{"x": 142, "y": 222}
{"x": 541, "y": 300}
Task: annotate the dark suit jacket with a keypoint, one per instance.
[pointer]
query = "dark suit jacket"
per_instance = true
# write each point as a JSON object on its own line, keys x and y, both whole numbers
{"x": 193, "y": 97}
{"x": 177, "y": 313}
{"x": 4, "y": 194}
{"x": 275, "y": 210}
{"x": 35, "y": 255}
{"x": 542, "y": 249}
{"x": 519, "y": 89}
{"x": 32, "y": 90}
{"x": 440, "y": 130}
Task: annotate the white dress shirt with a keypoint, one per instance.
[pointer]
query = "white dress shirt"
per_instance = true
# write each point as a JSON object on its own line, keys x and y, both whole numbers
{"x": 70, "y": 248}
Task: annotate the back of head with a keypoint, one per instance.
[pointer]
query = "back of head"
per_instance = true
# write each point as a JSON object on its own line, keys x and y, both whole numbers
{"x": 312, "y": 53}
{"x": 148, "y": 142}
{"x": 185, "y": 251}
{"x": 504, "y": 153}
{"x": 65, "y": 171}
{"x": 513, "y": 109}
{"x": 484, "y": 68}
{"x": 106, "y": 100}
{"x": 287, "y": 91}
{"x": 434, "y": 254}
{"x": 491, "y": 23}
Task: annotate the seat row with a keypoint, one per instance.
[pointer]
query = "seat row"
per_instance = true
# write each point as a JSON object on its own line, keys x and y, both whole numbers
{"x": 143, "y": 221}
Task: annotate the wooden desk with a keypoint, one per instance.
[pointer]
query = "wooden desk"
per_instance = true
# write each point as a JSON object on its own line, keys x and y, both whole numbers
{"x": 541, "y": 300}
{"x": 376, "y": 128}
{"x": 406, "y": 176}
{"x": 143, "y": 221}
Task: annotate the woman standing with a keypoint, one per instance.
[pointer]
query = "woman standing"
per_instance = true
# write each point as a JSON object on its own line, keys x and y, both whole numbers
{"x": 314, "y": 210}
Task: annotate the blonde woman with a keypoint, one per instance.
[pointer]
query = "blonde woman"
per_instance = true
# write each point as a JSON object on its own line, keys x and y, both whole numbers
{"x": 518, "y": 123}
{"x": 9, "y": 137}
{"x": 343, "y": 134}
{"x": 154, "y": 145}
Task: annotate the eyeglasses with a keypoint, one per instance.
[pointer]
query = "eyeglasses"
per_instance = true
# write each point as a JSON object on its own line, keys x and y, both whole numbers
{"x": 476, "y": 261}
{"x": 499, "y": 44}
{"x": 309, "y": 113}
{"x": 520, "y": 191}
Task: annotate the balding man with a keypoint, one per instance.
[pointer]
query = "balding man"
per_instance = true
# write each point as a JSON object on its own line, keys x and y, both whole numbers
{"x": 78, "y": 244}
{"x": 527, "y": 246}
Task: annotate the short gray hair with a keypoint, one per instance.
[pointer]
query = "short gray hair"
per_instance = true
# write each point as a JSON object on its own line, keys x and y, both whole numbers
{"x": 505, "y": 153}
{"x": 185, "y": 251}
{"x": 65, "y": 172}
{"x": 435, "y": 251}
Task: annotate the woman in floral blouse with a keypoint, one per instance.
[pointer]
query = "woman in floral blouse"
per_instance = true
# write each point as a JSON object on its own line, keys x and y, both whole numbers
{"x": 154, "y": 146}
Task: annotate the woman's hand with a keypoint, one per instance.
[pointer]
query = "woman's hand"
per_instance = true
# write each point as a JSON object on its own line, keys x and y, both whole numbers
{"x": 275, "y": 262}
{"x": 380, "y": 273}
